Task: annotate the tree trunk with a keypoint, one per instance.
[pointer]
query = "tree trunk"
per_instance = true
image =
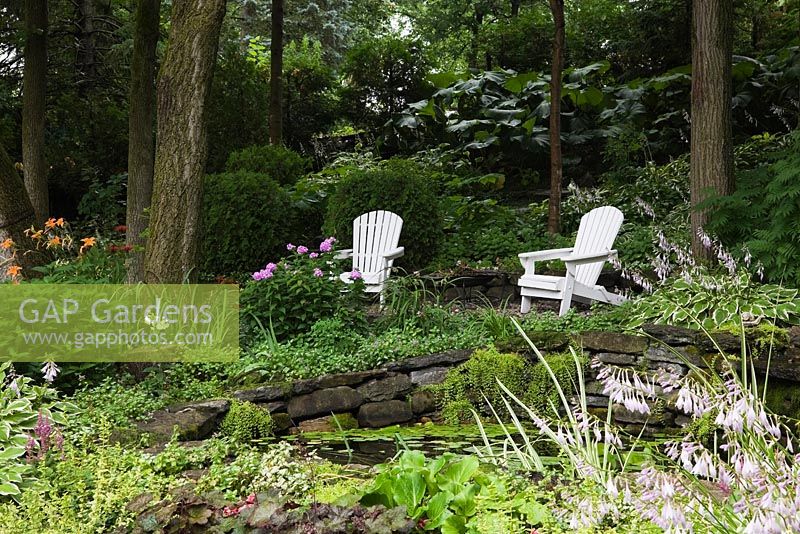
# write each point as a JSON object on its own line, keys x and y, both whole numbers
{"x": 711, "y": 145}
{"x": 554, "y": 205}
{"x": 276, "y": 75}
{"x": 515, "y": 7}
{"x": 184, "y": 86}
{"x": 34, "y": 100}
{"x": 16, "y": 216}
{"x": 141, "y": 147}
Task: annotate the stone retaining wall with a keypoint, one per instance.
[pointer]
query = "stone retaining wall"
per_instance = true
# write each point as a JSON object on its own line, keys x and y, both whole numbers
{"x": 393, "y": 394}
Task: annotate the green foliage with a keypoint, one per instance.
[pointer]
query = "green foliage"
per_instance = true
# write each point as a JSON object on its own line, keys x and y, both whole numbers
{"x": 397, "y": 185}
{"x": 23, "y": 407}
{"x": 383, "y": 75}
{"x": 245, "y": 422}
{"x": 474, "y": 383}
{"x": 301, "y": 291}
{"x": 715, "y": 301}
{"x": 243, "y": 222}
{"x": 98, "y": 265}
{"x": 281, "y": 164}
{"x": 542, "y": 394}
{"x": 337, "y": 346}
{"x": 86, "y": 491}
{"x": 763, "y": 214}
{"x": 103, "y": 206}
{"x": 449, "y": 494}
{"x": 601, "y": 318}
{"x": 237, "y": 113}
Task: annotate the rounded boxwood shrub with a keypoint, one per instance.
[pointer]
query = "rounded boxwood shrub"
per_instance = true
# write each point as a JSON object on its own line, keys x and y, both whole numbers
{"x": 400, "y": 186}
{"x": 282, "y": 164}
{"x": 246, "y": 421}
{"x": 244, "y": 222}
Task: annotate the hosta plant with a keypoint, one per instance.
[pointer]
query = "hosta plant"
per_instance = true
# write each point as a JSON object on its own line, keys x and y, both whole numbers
{"x": 29, "y": 415}
{"x": 717, "y": 301}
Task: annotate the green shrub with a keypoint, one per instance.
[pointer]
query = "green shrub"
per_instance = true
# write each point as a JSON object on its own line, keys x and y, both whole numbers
{"x": 400, "y": 186}
{"x": 763, "y": 214}
{"x": 244, "y": 218}
{"x": 474, "y": 383}
{"x": 287, "y": 298}
{"x": 245, "y": 422}
{"x": 282, "y": 164}
{"x": 542, "y": 393}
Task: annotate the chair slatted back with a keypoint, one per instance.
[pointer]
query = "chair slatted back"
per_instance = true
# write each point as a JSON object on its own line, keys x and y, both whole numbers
{"x": 374, "y": 234}
{"x": 597, "y": 232}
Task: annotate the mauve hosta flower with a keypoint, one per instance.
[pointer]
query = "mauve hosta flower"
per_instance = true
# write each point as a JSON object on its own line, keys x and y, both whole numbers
{"x": 624, "y": 386}
{"x": 662, "y": 500}
{"x": 50, "y": 371}
{"x": 302, "y": 249}
{"x": 692, "y": 401}
{"x": 318, "y": 272}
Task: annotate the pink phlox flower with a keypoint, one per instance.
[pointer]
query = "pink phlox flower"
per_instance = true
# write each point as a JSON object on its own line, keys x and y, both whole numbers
{"x": 302, "y": 249}
{"x": 289, "y": 246}
{"x": 327, "y": 245}
{"x": 318, "y": 272}
{"x": 313, "y": 255}
{"x": 355, "y": 275}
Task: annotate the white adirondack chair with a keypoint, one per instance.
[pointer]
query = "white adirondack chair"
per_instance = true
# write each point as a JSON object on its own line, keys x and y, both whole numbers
{"x": 375, "y": 247}
{"x": 584, "y": 261}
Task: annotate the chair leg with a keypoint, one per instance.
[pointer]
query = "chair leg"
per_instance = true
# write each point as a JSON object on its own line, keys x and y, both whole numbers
{"x": 566, "y": 297}
{"x": 525, "y": 307}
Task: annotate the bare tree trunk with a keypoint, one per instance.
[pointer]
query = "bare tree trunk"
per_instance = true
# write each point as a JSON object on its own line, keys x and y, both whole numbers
{"x": 141, "y": 146}
{"x": 554, "y": 205}
{"x": 184, "y": 86}
{"x": 34, "y": 101}
{"x": 16, "y": 216}
{"x": 276, "y": 75}
{"x": 711, "y": 144}
{"x": 515, "y": 7}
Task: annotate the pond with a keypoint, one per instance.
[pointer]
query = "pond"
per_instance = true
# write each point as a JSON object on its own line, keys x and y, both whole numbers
{"x": 374, "y": 446}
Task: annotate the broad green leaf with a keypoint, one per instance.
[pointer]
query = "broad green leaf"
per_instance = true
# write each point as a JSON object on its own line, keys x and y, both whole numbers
{"x": 458, "y": 473}
{"x": 454, "y": 524}
{"x": 437, "y": 511}
{"x": 9, "y": 488}
{"x": 409, "y": 489}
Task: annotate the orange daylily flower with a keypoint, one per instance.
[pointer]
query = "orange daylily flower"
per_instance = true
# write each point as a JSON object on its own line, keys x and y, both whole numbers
{"x": 50, "y": 223}
{"x": 88, "y": 242}
{"x": 7, "y": 244}
{"x": 60, "y": 222}
{"x": 54, "y": 241}
{"x": 13, "y": 271}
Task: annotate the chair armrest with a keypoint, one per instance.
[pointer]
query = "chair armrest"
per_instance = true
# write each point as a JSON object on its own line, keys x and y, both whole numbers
{"x": 343, "y": 254}
{"x": 394, "y": 253}
{"x": 552, "y": 254}
{"x": 581, "y": 259}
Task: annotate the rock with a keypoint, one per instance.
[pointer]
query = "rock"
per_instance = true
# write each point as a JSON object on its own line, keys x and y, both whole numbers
{"x": 597, "y": 401}
{"x": 594, "y": 387}
{"x": 262, "y": 394}
{"x": 616, "y": 358}
{"x": 328, "y": 424}
{"x": 794, "y": 336}
{"x": 380, "y": 414}
{"x": 546, "y": 341}
{"x": 277, "y": 406}
{"x": 193, "y": 421}
{"x": 281, "y": 422}
{"x": 682, "y": 420}
{"x": 623, "y": 415}
{"x": 392, "y": 387}
{"x": 612, "y": 342}
{"x": 785, "y": 364}
{"x": 325, "y": 401}
{"x": 427, "y": 377}
{"x": 446, "y": 359}
{"x": 680, "y": 355}
{"x": 671, "y": 335}
{"x": 331, "y": 381}
{"x": 423, "y": 401}
{"x": 672, "y": 368}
